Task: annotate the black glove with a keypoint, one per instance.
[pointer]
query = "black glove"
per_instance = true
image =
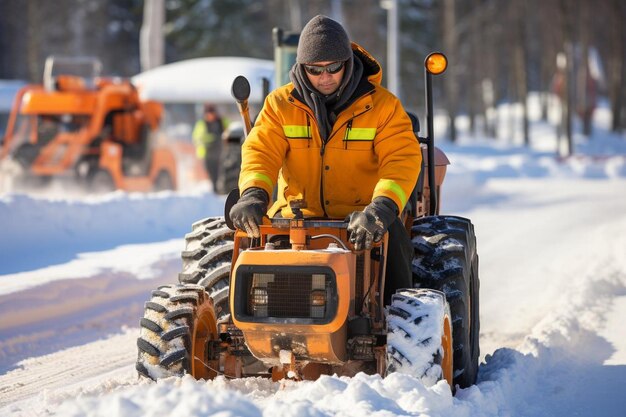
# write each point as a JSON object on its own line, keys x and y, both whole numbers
{"x": 369, "y": 226}
{"x": 248, "y": 213}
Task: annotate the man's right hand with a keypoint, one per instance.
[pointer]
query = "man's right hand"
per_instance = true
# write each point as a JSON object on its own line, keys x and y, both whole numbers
{"x": 248, "y": 213}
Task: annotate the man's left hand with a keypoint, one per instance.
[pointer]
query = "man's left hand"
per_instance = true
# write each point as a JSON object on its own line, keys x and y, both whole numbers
{"x": 369, "y": 226}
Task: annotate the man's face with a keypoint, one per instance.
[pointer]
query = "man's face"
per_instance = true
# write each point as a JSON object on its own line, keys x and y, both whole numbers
{"x": 209, "y": 115}
{"x": 325, "y": 83}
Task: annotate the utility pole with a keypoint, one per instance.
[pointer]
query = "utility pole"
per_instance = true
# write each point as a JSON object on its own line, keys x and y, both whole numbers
{"x": 336, "y": 12}
{"x": 393, "y": 74}
{"x": 295, "y": 15}
{"x": 151, "y": 50}
{"x": 450, "y": 43}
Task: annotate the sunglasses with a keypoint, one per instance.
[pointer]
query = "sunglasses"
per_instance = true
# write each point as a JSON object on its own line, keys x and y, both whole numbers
{"x": 332, "y": 68}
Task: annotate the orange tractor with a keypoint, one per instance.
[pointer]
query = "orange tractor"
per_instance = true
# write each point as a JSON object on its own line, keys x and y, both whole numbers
{"x": 300, "y": 302}
{"x": 89, "y": 128}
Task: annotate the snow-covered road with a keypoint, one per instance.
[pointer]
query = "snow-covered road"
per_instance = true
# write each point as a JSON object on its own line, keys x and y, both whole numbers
{"x": 552, "y": 245}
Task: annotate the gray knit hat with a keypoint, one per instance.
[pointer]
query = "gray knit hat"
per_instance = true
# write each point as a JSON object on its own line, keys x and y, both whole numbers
{"x": 323, "y": 39}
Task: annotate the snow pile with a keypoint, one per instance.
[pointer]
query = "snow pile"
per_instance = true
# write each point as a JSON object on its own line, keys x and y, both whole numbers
{"x": 559, "y": 368}
{"x": 30, "y": 224}
{"x": 141, "y": 261}
{"x": 551, "y": 381}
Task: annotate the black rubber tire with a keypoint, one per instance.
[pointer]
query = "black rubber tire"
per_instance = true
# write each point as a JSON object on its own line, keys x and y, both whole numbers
{"x": 163, "y": 182}
{"x": 17, "y": 176}
{"x": 207, "y": 260}
{"x": 415, "y": 326}
{"x": 446, "y": 259}
{"x": 230, "y": 166}
{"x": 100, "y": 181}
{"x": 26, "y": 153}
{"x": 164, "y": 344}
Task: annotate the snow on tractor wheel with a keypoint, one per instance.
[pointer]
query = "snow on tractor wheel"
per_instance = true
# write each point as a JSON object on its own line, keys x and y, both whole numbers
{"x": 446, "y": 260}
{"x": 207, "y": 260}
{"x": 178, "y": 334}
{"x": 419, "y": 335}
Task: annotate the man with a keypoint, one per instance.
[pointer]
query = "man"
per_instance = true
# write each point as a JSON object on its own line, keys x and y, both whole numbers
{"x": 207, "y": 136}
{"x": 337, "y": 139}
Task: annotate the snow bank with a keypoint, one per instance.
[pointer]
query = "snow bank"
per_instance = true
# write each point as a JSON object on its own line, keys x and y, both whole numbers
{"x": 141, "y": 261}
{"x": 38, "y": 232}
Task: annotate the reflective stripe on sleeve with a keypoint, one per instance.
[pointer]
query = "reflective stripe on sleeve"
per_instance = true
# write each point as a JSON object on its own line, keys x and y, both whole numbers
{"x": 392, "y": 186}
{"x": 257, "y": 176}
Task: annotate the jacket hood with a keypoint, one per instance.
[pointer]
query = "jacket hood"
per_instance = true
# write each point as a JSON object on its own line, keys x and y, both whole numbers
{"x": 371, "y": 67}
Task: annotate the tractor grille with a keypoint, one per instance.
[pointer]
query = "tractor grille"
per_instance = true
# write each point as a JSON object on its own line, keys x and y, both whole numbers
{"x": 307, "y": 293}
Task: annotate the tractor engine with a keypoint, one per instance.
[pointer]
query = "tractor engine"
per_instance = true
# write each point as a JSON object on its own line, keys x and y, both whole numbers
{"x": 305, "y": 297}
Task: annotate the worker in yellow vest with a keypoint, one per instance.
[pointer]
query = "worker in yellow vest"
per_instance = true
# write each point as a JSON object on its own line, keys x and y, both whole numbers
{"x": 207, "y": 137}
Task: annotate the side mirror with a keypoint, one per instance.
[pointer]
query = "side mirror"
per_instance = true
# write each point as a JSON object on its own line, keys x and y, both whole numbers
{"x": 240, "y": 91}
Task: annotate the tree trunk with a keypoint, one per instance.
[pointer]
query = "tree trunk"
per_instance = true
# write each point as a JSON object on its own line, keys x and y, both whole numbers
{"x": 475, "y": 68}
{"x": 585, "y": 99}
{"x": 568, "y": 72}
{"x": 617, "y": 64}
{"x": 152, "y": 42}
{"x": 450, "y": 80}
{"x": 521, "y": 64}
{"x": 35, "y": 67}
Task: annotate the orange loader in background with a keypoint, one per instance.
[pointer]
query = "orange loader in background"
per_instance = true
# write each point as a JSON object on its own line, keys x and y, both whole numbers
{"x": 89, "y": 129}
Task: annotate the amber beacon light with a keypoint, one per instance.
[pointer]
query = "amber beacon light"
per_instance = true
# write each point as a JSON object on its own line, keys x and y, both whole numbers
{"x": 436, "y": 63}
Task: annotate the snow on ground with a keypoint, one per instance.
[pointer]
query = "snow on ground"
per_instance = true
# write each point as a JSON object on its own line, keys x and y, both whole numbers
{"x": 552, "y": 244}
{"x": 42, "y": 231}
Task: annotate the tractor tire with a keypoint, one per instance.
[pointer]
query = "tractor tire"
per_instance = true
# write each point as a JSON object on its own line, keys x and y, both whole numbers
{"x": 230, "y": 166}
{"x": 207, "y": 260}
{"x": 26, "y": 153}
{"x": 163, "y": 182}
{"x": 178, "y": 334}
{"x": 100, "y": 181}
{"x": 446, "y": 260}
{"x": 419, "y": 335}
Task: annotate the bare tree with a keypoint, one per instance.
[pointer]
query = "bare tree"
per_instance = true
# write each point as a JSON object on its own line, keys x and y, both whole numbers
{"x": 550, "y": 43}
{"x": 521, "y": 64}
{"x": 151, "y": 49}
{"x": 617, "y": 63}
{"x": 585, "y": 101}
{"x": 451, "y": 80}
{"x": 474, "y": 67}
{"x": 568, "y": 74}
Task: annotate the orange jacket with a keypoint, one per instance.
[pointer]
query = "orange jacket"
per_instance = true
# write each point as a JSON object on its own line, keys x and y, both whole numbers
{"x": 371, "y": 151}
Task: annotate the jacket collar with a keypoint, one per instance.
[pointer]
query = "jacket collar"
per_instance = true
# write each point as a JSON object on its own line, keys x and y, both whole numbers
{"x": 364, "y": 87}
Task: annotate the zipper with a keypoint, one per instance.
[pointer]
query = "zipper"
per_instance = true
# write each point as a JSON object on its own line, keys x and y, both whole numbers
{"x": 347, "y": 134}
{"x": 349, "y": 121}
{"x": 308, "y": 130}
{"x": 306, "y": 110}
{"x": 323, "y": 147}
{"x": 348, "y": 127}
